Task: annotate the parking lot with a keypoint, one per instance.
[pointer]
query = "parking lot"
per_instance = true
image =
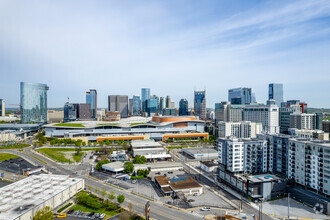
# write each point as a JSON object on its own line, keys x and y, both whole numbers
{"x": 148, "y": 188}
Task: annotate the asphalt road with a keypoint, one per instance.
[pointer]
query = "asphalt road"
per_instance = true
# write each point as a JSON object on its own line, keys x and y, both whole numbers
{"x": 158, "y": 211}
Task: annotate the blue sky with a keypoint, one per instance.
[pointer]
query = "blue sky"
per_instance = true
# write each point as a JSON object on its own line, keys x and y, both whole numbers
{"x": 172, "y": 47}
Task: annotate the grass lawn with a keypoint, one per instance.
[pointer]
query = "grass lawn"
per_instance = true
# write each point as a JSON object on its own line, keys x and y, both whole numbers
{"x": 59, "y": 155}
{"x": 70, "y": 125}
{"x": 5, "y": 156}
{"x": 88, "y": 210}
{"x": 139, "y": 124}
{"x": 55, "y": 154}
{"x": 109, "y": 124}
{"x": 15, "y": 146}
{"x": 77, "y": 157}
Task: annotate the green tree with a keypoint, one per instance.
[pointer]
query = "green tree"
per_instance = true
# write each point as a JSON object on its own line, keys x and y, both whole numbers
{"x": 100, "y": 163}
{"x": 83, "y": 143}
{"x": 44, "y": 214}
{"x": 78, "y": 149}
{"x": 143, "y": 173}
{"x": 107, "y": 142}
{"x": 103, "y": 192}
{"x": 120, "y": 198}
{"x": 52, "y": 142}
{"x": 111, "y": 195}
{"x": 128, "y": 167}
{"x": 139, "y": 159}
{"x": 101, "y": 143}
{"x": 89, "y": 143}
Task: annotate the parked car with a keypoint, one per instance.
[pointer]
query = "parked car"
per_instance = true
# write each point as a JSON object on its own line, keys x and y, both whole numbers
{"x": 191, "y": 200}
{"x": 97, "y": 215}
{"x": 102, "y": 216}
{"x": 134, "y": 181}
{"x": 61, "y": 215}
{"x": 70, "y": 211}
{"x": 205, "y": 209}
{"x": 91, "y": 214}
{"x": 197, "y": 194}
{"x": 158, "y": 173}
{"x": 169, "y": 202}
{"x": 170, "y": 172}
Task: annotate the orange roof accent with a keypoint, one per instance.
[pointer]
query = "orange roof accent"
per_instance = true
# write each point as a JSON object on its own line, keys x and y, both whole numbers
{"x": 205, "y": 135}
{"x": 160, "y": 119}
{"x": 114, "y": 138}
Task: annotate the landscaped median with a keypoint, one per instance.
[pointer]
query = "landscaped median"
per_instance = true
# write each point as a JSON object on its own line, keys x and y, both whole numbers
{"x": 70, "y": 125}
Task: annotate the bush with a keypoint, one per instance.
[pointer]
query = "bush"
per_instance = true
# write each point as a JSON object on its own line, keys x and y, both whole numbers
{"x": 139, "y": 159}
{"x": 143, "y": 173}
{"x": 109, "y": 206}
{"x": 136, "y": 177}
{"x": 88, "y": 200}
{"x": 64, "y": 207}
{"x": 128, "y": 167}
{"x": 100, "y": 163}
{"x": 121, "y": 198}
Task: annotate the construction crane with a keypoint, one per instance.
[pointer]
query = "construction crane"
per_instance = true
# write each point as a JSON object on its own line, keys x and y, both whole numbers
{"x": 190, "y": 107}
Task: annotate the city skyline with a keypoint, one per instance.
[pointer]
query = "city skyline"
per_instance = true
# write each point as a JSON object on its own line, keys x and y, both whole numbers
{"x": 214, "y": 45}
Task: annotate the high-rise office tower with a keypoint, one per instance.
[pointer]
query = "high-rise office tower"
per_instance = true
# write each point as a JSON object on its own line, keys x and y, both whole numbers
{"x": 33, "y": 102}
{"x": 275, "y": 92}
{"x": 136, "y": 105}
{"x": 118, "y": 103}
{"x": 91, "y": 98}
{"x": 152, "y": 106}
{"x": 145, "y": 95}
{"x": 183, "y": 107}
{"x": 162, "y": 104}
{"x": 130, "y": 107}
{"x": 168, "y": 102}
{"x": 222, "y": 112}
{"x": 240, "y": 96}
{"x": 2, "y": 108}
{"x": 200, "y": 104}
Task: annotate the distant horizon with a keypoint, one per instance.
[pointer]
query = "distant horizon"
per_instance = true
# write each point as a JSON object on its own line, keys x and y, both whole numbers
{"x": 171, "y": 47}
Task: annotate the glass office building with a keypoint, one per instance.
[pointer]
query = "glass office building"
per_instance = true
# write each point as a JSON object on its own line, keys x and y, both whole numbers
{"x": 200, "y": 104}
{"x": 33, "y": 102}
{"x": 275, "y": 92}
{"x": 91, "y": 98}
{"x": 145, "y": 96}
{"x": 136, "y": 105}
{"x": 2, "y": 108}
{"x": 240, "y": 96}
{"x": 183, "y": 107}
{"x": 152, "y": 106}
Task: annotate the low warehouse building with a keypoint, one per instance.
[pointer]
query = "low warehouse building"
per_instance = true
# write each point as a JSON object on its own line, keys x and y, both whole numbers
{"x": 23, "y": 199}
{"x": 165, "y": 166}
{"x": 209, "y": 166}
{"x": 169, "y": 187}
{"x": 114, "y": 167}
{"x": 201, "y": 153}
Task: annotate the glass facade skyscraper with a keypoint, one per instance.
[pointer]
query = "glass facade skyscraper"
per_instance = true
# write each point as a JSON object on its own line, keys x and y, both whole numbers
{"x": 136, "y": 105}
{"x": 275, "y": 92}
{"x": 33, "y": 102}
{"x": 91, "y": 98}
{"x": 145, "y": 96}
{"x": 183, "y": 107}
{"x": 200, "y": 104}
{"x": 152, "y": 106}
{"x": 240, "y": 96}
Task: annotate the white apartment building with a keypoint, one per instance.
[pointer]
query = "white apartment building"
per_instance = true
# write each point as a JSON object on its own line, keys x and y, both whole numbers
{"x": 302, "y": 121}
{"x": 309, "y": 163}
{"x": 267, "y": 115}
{"x": 243, "y": 129}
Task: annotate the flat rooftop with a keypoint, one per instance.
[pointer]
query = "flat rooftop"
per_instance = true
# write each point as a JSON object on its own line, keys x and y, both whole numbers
{"x": 178, "y": 183}
{"x": 16, "y": 165}
{"x": 145, "y": 144}
{"x": 209, "y": 163}
{"x": 114, "y": 166}
{"x": 262, "y": 178}
{"x": 24, "y": 195}
{"x": 164, "y": 164}
{"x": 200, "y": 150}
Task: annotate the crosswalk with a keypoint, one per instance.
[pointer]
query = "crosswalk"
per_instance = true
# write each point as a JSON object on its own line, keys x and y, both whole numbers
{"x": 197, "y": 214}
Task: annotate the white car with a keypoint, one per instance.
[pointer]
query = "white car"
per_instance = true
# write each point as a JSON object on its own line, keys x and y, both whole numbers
{"x": 205, "y": 209}
{"x": 102, "y": 216}
{"x": 197, "y": 194}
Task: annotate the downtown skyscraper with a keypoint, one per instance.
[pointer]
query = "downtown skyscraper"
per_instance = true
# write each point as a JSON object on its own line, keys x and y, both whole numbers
{"x": 145, "y": 96}
{"x": 275, "y": 92}
{"x": 91, "y": 98}
{"x": 200, "y": 104}
{"x": 33, "y": 102}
